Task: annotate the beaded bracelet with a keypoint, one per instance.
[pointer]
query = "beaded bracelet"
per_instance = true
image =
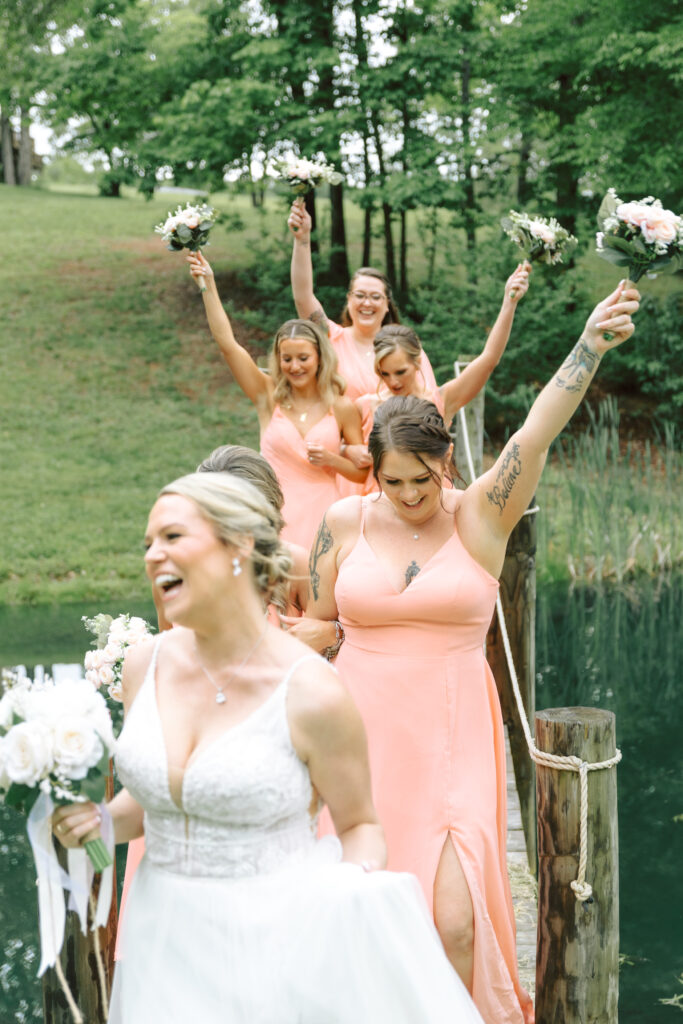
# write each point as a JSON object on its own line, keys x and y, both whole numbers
{"x": 332, "y": 651}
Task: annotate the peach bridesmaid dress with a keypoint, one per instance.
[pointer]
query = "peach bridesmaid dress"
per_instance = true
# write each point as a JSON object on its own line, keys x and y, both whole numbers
{"x": 414, "y": 663}
{"x": 358, "y": 370}
{"x": 358, "y": 367}
{"x": 308, "y": 490}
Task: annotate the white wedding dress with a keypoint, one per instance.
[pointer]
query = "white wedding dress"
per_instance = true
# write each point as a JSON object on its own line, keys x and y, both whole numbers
{"x": 239, "y": 915}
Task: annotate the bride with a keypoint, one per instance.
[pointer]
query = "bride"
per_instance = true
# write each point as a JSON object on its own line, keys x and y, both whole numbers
{"x": 235, "y": 735}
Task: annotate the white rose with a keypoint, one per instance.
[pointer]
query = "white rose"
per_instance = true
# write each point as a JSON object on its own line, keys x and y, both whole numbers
{"x": 5, "y": 780}
{"x": 113, "y": 652}
{"x": 93, "y": 677}
{"x": 542, "y": 231}
{"x": 116, "y": 693}
{"x": 6, "y": 710}
{"x": 27, "y": 753}
{"x": 105, "y": 676}
{"x": 77, "y": 747}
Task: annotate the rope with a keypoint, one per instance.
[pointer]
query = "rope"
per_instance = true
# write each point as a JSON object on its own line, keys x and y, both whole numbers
{"x": 581, "y": 888}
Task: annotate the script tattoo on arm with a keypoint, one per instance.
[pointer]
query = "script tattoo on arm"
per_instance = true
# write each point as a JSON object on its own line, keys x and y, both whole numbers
{"x": 510, "y": 469}
{"x": 322, "y": 544}
{"x": 411, "y": 572}
{"x": 577, "y": 369}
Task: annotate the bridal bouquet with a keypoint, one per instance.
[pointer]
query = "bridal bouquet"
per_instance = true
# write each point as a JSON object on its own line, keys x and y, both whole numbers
{"x": 55, "y": 743}
{"x": 542, "y": 240}
{"x": 188, "y": 227}
{"x": 104, "y": 665}
{"x": 304, "y": 175}
{"x": 55, "y": 740}
{"x": 642, "y": 236}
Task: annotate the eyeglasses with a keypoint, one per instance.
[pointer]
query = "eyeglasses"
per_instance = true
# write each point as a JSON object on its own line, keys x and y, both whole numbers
{"x": 373, "y": 296}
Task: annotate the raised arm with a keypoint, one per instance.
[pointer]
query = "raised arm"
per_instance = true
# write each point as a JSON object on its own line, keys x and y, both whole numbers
{"x": 307, "y": 306}
{"x": 494, "y": 504}
{"x": 462, "y": 389}
{"x": 255, "y": 384}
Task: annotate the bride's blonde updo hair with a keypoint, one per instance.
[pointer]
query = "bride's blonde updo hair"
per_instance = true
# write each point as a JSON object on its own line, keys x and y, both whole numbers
{"x": 236, "y": 510}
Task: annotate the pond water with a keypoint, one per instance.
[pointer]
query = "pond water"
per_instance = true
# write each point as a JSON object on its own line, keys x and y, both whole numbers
{"x": 617, "y": 650}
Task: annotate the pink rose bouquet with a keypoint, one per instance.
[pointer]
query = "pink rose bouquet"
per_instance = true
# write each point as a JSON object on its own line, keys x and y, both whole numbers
{"x": 641, "y": 236}
{"x": 188, "y": 228}
{"x": 103, "y": 666}
{"x": 541, "y": 239}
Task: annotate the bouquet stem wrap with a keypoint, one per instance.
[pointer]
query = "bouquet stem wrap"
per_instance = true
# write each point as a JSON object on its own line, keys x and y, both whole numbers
{"x": 52, "y": 880}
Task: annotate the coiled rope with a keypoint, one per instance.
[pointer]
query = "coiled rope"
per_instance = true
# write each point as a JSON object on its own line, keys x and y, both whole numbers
{"x": 568, "y": 763}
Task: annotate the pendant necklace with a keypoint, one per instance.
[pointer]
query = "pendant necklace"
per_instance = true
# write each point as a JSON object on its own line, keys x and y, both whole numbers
{"x": 220, "y": 696}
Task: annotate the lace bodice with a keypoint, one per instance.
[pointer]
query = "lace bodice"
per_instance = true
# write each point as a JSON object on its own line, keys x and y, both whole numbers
{"x": 245, "y": 797}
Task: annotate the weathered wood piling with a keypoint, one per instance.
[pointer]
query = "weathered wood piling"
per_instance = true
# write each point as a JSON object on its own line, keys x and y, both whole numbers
{"x": 577, "y": 952}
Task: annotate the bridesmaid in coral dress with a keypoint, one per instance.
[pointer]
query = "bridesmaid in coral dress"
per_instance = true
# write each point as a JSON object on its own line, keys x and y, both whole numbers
{"x": 398, "y": 368}
{"x": 303, "y": 413}
{"x": 412, "y": 576}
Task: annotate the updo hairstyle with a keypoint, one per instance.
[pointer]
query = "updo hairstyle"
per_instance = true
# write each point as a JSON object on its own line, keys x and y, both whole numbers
{"x": 248, "y": 465}
{"x": 393, "y": 337}
{"x": 236, "y": 509}
{"x": 412, "y": 425}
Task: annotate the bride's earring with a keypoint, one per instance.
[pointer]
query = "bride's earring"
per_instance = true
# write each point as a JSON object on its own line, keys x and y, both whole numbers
{"x": 236, "y": 566}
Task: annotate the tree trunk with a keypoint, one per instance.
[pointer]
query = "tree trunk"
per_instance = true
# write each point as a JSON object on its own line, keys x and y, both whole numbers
{"x": 470, "y": 199}
{"x": 390, "y": 258}
{"x": 25, "y": 150}
{"x": 361, "y": 51}
{"x": 8, "y": 174}
{"x": 309, "y": 203}
{"x": 523, "y": 190}
{"x": 339, "y": 264}
{"x": 566, "y": 181}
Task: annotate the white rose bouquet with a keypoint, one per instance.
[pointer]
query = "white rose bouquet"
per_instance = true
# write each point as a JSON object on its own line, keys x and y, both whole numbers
{"x": 641, "y": 236}
{"x": 103, "y": 666}
{"x": 55, "y": 743}
{"x": 304, "y": 175}
{"x": 541, "y": 239}
{"x": 55, "y": 739}
{"x": 188, "y": 228}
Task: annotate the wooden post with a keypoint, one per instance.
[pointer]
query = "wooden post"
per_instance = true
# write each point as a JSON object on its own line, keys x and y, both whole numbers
{"x": 577, "y": 955}
{"x": 518, "y": 597}
{"x": 474, "y": 417}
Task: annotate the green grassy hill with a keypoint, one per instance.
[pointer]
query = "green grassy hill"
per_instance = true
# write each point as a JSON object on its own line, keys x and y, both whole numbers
{"x": 111, "y": 386}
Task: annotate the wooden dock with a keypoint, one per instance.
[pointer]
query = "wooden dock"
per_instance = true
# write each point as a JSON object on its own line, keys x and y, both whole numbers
{"x": 522, "y": 882}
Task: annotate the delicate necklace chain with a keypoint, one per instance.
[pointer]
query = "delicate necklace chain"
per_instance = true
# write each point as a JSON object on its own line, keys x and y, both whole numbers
{"x": 220, "y": 696}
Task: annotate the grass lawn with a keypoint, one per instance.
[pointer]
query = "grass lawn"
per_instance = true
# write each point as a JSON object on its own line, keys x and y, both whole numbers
{"x": 110, "y": 384}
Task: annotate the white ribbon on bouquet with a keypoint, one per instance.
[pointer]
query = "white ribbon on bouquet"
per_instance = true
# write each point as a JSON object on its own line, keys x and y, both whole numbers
{"x": 52, "y": 880}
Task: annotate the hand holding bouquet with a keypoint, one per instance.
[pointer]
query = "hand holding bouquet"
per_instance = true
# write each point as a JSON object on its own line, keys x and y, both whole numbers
{"x": 641, "y": 236}
{"x": 304, "y": 175}
{"x": 55, "y": 743}
{"x": 188, "y": 228}
{"x": 542, "y": 240}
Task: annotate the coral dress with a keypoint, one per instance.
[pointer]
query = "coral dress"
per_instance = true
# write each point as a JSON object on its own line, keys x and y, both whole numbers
{"x": 238, "y": 915}
{"x": 414, "y": 664}
{"x": 357, "y": 367}
{"x": 308, "y": 490}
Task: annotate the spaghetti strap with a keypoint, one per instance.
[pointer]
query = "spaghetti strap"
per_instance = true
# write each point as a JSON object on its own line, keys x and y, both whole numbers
{"x": 292, "y": 669}
{"x": 363, "y": 510}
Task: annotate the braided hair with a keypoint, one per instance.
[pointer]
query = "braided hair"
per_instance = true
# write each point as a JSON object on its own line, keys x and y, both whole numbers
{"x": 415, "y": 426}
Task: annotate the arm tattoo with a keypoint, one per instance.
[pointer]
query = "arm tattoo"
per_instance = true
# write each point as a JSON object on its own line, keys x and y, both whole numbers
{"x": 411, "y": 572}
{"x": 577, "y": 369}
{"x": 318, "y": 317}
{"x": 321, "y": 545}
{"x": 510, "y": 469}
